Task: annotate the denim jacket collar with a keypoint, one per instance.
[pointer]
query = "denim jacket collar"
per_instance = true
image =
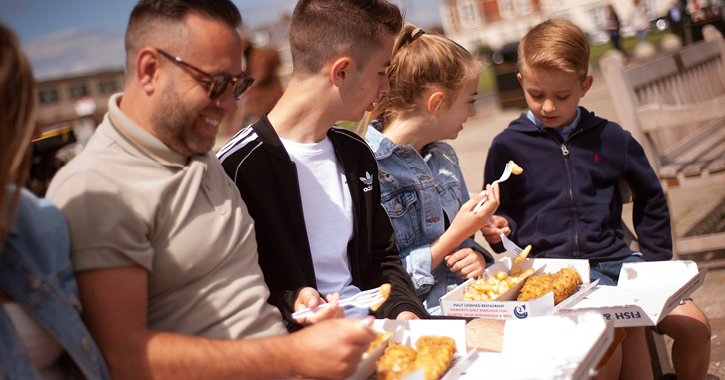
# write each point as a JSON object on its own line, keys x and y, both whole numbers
{"x": 382, "y": 146}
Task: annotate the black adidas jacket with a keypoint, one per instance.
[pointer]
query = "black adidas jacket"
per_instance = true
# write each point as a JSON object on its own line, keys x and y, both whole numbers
{"x": 267, "y": 179}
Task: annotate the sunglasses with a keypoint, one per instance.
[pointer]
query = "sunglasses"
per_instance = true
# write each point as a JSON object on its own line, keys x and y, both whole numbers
{"x": 217, "y": 83}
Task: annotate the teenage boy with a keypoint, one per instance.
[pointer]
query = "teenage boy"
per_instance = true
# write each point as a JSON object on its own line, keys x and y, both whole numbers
{"x": 162, "y": 244}
{"x": 566, "y": 203}
{"x": 312, "y": 188}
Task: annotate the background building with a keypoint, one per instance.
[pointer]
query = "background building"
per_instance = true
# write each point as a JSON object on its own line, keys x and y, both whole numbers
{"x": 69, "y": 99}
{"x": 494, "y": 23}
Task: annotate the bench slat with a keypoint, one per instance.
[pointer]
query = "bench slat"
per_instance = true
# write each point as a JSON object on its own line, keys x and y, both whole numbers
{"x": 694, "y": 146}
{"x": 716, "y": 166}
{"x": 655, "y": 117}
{"x": 700, "y": 243}
{"x": 669, "y": 64}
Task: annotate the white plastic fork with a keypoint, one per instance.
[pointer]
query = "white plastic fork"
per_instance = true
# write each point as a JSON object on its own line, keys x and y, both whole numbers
{"x": 362, "y": 300}
{"x": 509, "y": 245}
{"x": 504, "y": 176}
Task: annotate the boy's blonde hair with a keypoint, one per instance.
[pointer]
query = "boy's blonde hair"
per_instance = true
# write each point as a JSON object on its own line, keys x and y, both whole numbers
{"x": 555, "y": 44}
{"x": 420, "y": 63}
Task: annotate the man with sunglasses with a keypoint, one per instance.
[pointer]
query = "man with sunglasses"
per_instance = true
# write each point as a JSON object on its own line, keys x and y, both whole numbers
{"x": 162, "y": 244}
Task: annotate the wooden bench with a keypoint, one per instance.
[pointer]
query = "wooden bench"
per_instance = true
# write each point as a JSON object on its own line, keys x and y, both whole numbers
{"x": 674, "y": 105}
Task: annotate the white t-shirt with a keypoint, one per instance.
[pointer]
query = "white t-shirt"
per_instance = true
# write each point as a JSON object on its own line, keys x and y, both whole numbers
{"x": 327, "y": 206}
{"x": 42, "y": 347}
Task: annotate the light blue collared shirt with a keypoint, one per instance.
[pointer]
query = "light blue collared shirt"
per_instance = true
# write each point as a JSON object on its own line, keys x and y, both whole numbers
{"x": 565, "y": 131}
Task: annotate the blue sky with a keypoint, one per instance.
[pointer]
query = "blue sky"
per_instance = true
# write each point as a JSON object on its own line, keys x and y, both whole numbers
{"x": 71, "y": 37}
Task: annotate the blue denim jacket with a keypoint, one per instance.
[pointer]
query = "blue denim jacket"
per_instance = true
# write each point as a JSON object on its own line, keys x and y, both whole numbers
{"x": 415, "y": 192}
{"x": 35, "y": 270}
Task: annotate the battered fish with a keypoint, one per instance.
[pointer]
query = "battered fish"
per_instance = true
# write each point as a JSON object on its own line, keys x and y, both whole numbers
{"x": 397, "y": 361}
{"x": 562, "y": 283}
{"x": 434, "y": 355}
{"x": 382, "y": 337}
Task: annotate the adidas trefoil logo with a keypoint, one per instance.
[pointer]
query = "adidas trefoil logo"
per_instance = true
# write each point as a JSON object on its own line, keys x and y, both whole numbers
{"x": 367, "y": 181}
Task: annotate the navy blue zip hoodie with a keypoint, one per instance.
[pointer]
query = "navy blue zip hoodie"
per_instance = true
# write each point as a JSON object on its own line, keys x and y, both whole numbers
{"x": 566, "y": 203}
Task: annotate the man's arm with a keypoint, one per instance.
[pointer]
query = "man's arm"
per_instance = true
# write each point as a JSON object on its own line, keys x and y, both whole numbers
{"x": 115, "y": 309}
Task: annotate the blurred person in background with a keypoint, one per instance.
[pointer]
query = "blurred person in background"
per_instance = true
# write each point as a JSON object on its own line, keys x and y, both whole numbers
{"x": 676, "y": 16}
{"x": 261, "y": 64}
{"x": 639, "y": 20}
{"x": 613, "y": 26}
{"x": 42, "y": 335}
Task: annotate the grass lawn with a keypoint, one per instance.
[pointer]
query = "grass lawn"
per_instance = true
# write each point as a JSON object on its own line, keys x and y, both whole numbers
{"x": 627, "y": 45}
{"x": 486, "y": 80}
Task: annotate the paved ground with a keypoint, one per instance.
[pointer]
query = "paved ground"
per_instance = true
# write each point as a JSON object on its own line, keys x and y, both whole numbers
{"x": 687, "y": 206}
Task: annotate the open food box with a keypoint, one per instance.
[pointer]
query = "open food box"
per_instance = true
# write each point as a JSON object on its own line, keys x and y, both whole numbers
{"x": 555, "y": 347}
{"x": 645, "y": 294}
{"x": 551, "y": 347}
{"x": 505, "y": 306}
{"x": 407, "y": 333}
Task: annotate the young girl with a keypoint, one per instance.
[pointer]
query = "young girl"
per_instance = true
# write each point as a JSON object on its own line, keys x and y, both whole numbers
{"x": 433, "y": 83}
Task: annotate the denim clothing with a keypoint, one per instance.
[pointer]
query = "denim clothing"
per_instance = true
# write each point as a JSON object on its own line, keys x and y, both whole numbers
{"x": 607, "y": 271}
{"x": 420, "y": 194}
{"x": 35, "y": 270}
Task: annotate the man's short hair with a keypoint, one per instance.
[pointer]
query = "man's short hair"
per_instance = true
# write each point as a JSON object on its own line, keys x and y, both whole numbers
{"x": 149, "y": 17}
{"x": 555, "y": 44}
{"x": 323, "y": 29}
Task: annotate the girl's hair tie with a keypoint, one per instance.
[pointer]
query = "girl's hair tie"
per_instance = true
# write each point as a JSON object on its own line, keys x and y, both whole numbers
{"x": 416, "y": 33}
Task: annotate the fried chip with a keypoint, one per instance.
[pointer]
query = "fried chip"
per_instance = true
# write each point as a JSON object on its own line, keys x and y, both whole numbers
{"x": 496, "y": 285}
{"x": 516, "y": 169}
{"x": 522, "y": 256}
{"x": 385, "y": 290}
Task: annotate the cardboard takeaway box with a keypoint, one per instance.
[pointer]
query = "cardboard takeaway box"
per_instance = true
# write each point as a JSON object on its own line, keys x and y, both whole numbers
{"x": 408, "y": 332}
{"x": 644, "y": 295}
{"x": 551, "y": 347}
{"x": 506, "y": 306}
{"x": 555, "y": 347}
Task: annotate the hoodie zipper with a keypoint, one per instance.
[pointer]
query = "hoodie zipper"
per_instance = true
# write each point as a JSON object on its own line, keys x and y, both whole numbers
{"x": 565, "y": 153}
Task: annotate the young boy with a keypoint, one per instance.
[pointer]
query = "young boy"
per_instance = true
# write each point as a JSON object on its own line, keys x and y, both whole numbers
{"x": 566, "y": 204}
{"x": 312, "y": 188}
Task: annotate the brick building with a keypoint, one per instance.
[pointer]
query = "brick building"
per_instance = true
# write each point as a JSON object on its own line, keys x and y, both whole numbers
{"x": 473, "y": 23}
{"x": 70, "y": 99}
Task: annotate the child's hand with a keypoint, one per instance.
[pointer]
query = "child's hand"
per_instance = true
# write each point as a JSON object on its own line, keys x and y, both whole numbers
{"x": 497, "y": 225}
{"x": 466, "y": 223}
{"x": 466, "y": 263}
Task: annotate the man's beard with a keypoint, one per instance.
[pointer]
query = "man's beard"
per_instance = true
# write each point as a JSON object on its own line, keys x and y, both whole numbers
{"x": 174, "y": 125}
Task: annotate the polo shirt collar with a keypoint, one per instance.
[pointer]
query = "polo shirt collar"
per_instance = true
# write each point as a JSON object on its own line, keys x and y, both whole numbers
{"x": 565, "y": 130}
{"x": 141, "y": 142}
